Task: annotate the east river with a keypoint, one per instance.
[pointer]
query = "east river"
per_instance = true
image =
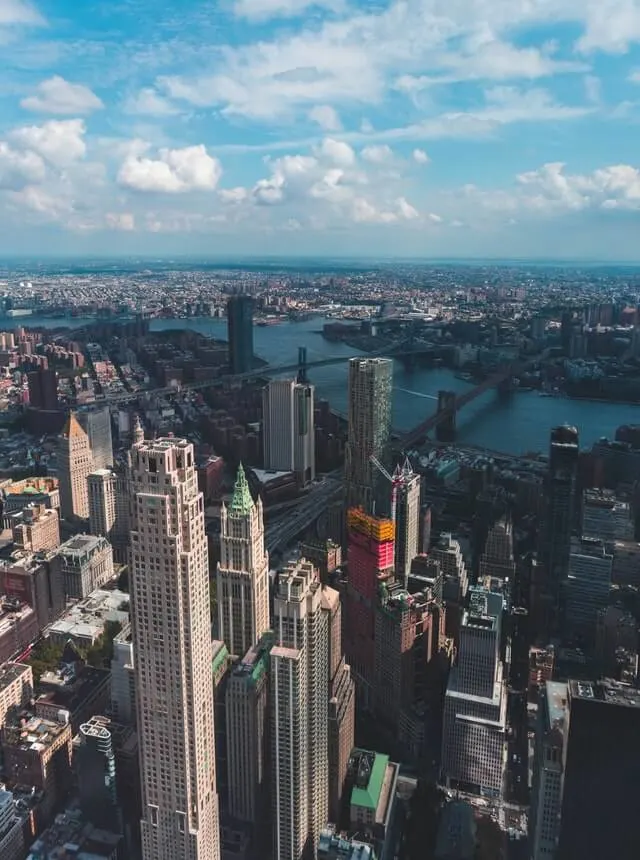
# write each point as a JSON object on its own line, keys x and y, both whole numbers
{"x": 517, "y": 424}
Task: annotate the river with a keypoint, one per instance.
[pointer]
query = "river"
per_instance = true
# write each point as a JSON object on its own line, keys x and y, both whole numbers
{"x": 515, "y": 425}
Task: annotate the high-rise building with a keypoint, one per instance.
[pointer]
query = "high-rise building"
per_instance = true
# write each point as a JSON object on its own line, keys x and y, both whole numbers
{"x": 342, "y": 704}
{"x": 407, "y": 519}
{"x": 475, "y": 710}
{"x": 370, "y": 388}
{"x": 101, "y": 486}
{"x": 299, "y": 713}
{"x": 288, "y": 428}
{"x": 11, "y": 835}
{"x": 240, "y": 333}
{"x": 248, "y": 739}
{"x": 97, "y": 426}
{"x": 600, "y": 797}
{"x": 43, "y": 389}
{"x": 586, "y": 588}
{"x": 242, "y": 577}
{"x": 371, "y": 555}
{"x": 95, "y": 764}
{"x": 606, "y": 517}
{"x": 172, "y": 648}
{"x": 497, "y": 560}
{"x": 546, "y": 795}
{"x": 75, "y": 463}
{"x": 560, "y": 499}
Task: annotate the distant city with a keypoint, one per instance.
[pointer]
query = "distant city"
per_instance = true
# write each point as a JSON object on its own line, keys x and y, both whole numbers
{"x": 328, "y": 562}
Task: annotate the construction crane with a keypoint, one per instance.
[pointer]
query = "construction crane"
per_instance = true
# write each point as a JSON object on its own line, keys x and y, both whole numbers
{"x": 395, "y": 480}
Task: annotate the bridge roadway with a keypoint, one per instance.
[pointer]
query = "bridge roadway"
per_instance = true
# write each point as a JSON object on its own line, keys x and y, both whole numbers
{"x": 282, "y": 532}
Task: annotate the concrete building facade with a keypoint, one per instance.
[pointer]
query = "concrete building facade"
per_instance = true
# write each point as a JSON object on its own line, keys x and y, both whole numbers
{"x": 75, "y": 463}
{"x": 288, "y": 428}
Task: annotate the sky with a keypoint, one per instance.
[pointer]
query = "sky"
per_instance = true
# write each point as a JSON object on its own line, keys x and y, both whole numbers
{"x": 396, "y": 128}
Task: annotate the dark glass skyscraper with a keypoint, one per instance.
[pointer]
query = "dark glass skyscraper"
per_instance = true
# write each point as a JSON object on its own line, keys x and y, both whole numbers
{"x": 560, "y": 496}
{"x": 240, "y": 333}
{"x": 43, "y": 389}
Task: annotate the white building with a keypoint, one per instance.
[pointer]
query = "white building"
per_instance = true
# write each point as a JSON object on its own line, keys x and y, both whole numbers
{"x": 299, "y": 713}
{"x": 475, "y": 710}
{"x": 172, "y": 647}
{"x": 123, "y": 692}
{"x": 407, "y": 520}
{"x": 242, "y": 577}
{"x": 288, "y": 428}
{"x": 546, "y": 794}
{"x": 101, "y": 485}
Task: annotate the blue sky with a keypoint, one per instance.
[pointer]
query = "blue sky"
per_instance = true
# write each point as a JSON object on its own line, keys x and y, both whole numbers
{"x": 504, "y": 128}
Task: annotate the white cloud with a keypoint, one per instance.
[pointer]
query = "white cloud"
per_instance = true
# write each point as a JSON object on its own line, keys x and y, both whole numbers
{"x": 381, "y": 154}
{"x": 326, "y": 117}
{"x": 420, "y": 156}
{"x": 233, "y": 195}
{"x": 18, "y": 169}
{"x": 174, "y": 171}
{"x": 263, "y": 9}
{"x": 149, "y": 102}
{"x": 365, "y": 212}
{"x": 406, "y": 210}
{"x": 336, "y": 151}
{"x": 15, "y": 12}
{"x": 61, "y": 142}
{"x": 634, "y": 76}
{"x": 58, "y": 96}
{"x": 436, "y": 219}
{"x": 124, "y": 221}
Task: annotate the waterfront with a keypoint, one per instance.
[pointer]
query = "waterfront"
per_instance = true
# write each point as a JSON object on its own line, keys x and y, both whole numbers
{"x": 515, "y": 425}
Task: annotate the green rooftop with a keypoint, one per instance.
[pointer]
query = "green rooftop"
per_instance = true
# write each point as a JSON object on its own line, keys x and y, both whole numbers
{"x": 242, "y": 500}
{"x": 369, "y": 797}
{"x": 219, "y": 657}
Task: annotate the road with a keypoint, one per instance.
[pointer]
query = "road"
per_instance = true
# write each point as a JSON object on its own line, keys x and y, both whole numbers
{"x": 281, "y": 534}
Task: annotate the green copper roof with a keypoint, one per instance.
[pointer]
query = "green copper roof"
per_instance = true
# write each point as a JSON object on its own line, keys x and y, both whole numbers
{"x": 242, "y": 501}
{"x": 369, "y": 797}
{"x": 219, "y": 657}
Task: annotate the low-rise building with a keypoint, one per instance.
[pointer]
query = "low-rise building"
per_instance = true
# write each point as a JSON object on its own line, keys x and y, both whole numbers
{"x": 36, "y": 581}
{"x": 335, "y": 846}
{"x": 77, "y": 690}
{"x": 86, "y": 563}
{"x": 37, "y": 491}
{"x": 11, "y": 835}
{"x": 18, "y": 627}
{"x": 85, "y": 621}
{"x": 36, "y": 528}
{"x": 372, "y": 785}
{"x": 16, "y": 689}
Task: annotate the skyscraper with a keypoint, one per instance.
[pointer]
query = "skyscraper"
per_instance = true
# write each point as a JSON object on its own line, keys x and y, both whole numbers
{"x": 497, "y": 559}
{"x": 75, "y": 463}
{"x": 342, "y": 704}
{"x": 299, "y": 698}
{"x": 101, "y": 486}
{"x": 288, "y": 428}
{"x": 370, "y": 386}
{"x": 586, "y": 589}
{"x": 242, "y": 577}
{"x": 97, "y": 426}
{"x": 240, "y": 333}
{"x": 475, "y": 710}
{"x": 96, "y": 768}
{"x": 559, "y": 518}
{"x": 172, "y": 647}
{"x": 407, "y": 519}
{"x": 546, "y": 794}
{"x": 43, "y": 389}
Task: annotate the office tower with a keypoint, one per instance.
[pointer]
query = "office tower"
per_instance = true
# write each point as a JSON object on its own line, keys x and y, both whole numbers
{"x": 409, "y": 635}
{"x": 248, "y": 741}
{"x": 43, "y": 389}
{"x": 95, "y": 765}
{"x": 371, "y": 554}
{"x": 370, "y": 387}
{"x": 121, "y": 527}
{"x": 123, "y": 687}
{"x": 560, "y": 492}
{"x": 586, "y": 588}
{"x": 75, "y": 463}
{"x": 11, "y": 835}
{"x": 605, "y": 517}
{"x": 288, "y": 428}
{"x": 101, "y": 486}
{"x": 16, "y": 689}
{"x": 240, "y": 333}
{"x": 407, "y": 511}
{"x": 36, "y": 529}
{"x": 455, "y": 580}
{"x": 497, "y": 559}
{"x": 342, "y": 704}
{"x": 546, "y": 792}
{"x": 97, "y": 426}
{"x": 475, "y": 710}
{"x": 299, "y": 713}
{"x": 600, "y": 797}
{"x": 83, "y": 563}
{"x": 221, "y": 661}
{"x": 172, "y": 647}
{"x": 242, "y": 577}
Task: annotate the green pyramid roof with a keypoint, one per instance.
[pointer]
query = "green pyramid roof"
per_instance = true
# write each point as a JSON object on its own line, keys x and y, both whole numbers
{"x": 241, "y": 501}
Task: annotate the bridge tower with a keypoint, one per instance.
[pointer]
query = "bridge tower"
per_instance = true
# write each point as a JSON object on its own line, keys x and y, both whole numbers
{"x": 303, "y": 377}
{"x": 446, "y": 427}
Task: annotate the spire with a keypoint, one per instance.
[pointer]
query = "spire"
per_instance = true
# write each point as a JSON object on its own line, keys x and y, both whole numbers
{"x": 138, "y": 430}
{"x": 242, "y": 500}
{"x": 407, "y": 469}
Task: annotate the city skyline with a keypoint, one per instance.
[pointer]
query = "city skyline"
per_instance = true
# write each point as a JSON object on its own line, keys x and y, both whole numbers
{"x": 334, "y": 127}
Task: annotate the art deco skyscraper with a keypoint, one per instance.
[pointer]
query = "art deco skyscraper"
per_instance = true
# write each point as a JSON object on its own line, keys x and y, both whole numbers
{"x": 370, "y": 386}
{"x": 288, "y": 428}
{"x": 75, "y": 463}
{"x": 242, "y": 578}
{"x": 172, "y": 646}
{"x": 299, "y": 713}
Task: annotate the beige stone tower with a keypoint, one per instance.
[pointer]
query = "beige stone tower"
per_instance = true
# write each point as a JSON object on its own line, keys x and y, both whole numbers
{"x": 75, "y": 463}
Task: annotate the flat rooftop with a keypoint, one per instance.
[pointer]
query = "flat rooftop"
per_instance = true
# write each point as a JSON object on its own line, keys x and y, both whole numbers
{"x": 368, "y": 770}
{"x": 10, "y": 672}
{"x": 35, "y": 735}
{"x": 606, "y": 691}
{"x": 557, "y": 703}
